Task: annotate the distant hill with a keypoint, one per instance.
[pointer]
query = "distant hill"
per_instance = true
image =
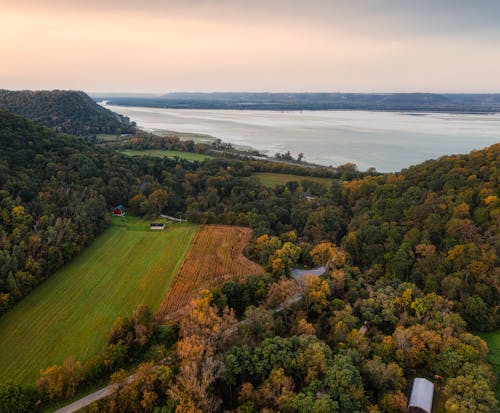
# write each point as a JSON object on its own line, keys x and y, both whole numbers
{"x": 72, "y": 112}
{"x": 423, "y": 102}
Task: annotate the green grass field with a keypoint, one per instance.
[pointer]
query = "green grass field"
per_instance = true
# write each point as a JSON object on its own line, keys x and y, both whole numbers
{"x": 72, "y": 312}
{"x": 493, "y": 340}
{"x": 273, "y": 179}
{"x": 162, "y": 153}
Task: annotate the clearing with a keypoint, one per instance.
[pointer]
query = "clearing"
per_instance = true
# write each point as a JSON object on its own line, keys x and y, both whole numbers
{"x": 215, "y": 255}
{"x": 162, "y": 153}
{"x": 493, "y": 340}
{"x": 72, "y": 312}
{"x": 274, "y": 179}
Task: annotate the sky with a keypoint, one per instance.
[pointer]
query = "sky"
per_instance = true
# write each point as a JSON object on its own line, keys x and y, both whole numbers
{"x": 159, "y": 46}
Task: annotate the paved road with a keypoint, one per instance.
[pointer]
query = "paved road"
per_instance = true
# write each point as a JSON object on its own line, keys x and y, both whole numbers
{"x": 91, "y": 398}
{"x": 299, "y": 274}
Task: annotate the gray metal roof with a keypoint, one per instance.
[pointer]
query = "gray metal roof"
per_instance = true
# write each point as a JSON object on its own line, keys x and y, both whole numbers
{"x": 421, "y": 394}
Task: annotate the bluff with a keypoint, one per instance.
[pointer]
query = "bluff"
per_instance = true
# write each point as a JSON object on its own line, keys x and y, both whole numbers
{"x": 66, "y": 111}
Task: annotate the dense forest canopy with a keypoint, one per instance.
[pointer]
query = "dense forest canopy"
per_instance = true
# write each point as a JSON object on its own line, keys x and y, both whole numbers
{"x": 65, "y": 111}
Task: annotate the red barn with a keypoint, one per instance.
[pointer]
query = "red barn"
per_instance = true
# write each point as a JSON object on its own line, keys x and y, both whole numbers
{"x": 119, "y": 211}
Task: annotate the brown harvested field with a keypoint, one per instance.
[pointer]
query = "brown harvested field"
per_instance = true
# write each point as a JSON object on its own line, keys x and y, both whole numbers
{"x": 215, "y": 255}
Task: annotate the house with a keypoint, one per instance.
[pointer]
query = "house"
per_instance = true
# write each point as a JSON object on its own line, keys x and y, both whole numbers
{"x": 421, "y": 397}
{"x": 119, "y": 211}
{"x": 154, "y": 226}
{"x": 309, "y": 197}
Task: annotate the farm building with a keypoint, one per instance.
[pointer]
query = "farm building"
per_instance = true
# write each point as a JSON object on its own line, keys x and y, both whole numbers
{"x": 309, "y": 197}
{"x": 421, "y": 397}
{"x": 119, "y": 211}
{"x": 156, "y": 226}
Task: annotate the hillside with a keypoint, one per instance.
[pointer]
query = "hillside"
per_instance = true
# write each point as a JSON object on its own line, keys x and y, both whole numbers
{"x": 65, "y": 111}
{"x": 54, "y": 199}
{"x": 437, "y": 225}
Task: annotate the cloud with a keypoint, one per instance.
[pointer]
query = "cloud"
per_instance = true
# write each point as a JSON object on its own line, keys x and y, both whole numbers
{"x": 260, "y": 45}
{"x": 437, "y": 16}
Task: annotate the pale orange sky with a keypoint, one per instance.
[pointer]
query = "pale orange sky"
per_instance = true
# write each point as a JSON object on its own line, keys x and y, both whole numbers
{"x": 161, "y": 46}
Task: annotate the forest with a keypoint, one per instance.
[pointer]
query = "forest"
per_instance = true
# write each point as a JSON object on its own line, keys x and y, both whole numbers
{"x": 411, "y": 274}
{"x": 65, "y": 111}
{"x": 423, "y": 102}
{"x": 56, "y": 191}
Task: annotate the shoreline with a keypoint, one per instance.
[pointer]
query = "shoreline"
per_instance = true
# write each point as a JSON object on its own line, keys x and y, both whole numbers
{"x": 328, "y": 138}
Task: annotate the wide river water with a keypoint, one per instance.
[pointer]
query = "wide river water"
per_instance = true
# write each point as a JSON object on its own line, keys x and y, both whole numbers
{"x": 388, "y": 141}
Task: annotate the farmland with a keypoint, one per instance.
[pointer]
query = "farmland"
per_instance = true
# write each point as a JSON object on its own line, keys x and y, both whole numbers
{"x": 71, "y": 312}
{"x": 162, "y": 153}
{"x": 274, "y": 179}
{"x": 214, "y": 256}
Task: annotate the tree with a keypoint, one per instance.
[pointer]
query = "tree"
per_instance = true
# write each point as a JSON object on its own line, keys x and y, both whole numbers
{"x": 133, "y": 331}
{"x": 204, "y": 335}
{"x": 313, "y": 361}
{"x": 281, "y": 294}
{"x": 158, "y": 200}
{"x": 284, "y": 259}
{"x": 316, "y": 293}
{"x": 468, "y": 394}
{"x": 259, "y": 323}
{"x": 384, "y": 377}
{"x": 16, "y": 399}
{"x": 275, "y": 390}
{"x": 395, "y": 402}
{"x": 344, "y": 384}
{"x": 328, "y": 255}
{"x": 477, "y": 313}
{"x": 144, "y": 392}
{"x": 57, "y": 382}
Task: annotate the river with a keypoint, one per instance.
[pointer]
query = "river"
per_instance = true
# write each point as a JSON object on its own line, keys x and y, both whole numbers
{"x": 388, "y": 141}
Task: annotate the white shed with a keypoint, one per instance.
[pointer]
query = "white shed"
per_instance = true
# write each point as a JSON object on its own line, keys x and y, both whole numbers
{"x": 421, "y": 397}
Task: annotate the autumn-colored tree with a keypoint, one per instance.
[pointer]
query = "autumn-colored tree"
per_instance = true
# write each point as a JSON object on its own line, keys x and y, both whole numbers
{"x": 328, "y": 255}
{"x": 395, "y": 402}
{"x": 133, "y": 331}
{"x": 469, "y": 394}
{"x": 60, "y": 381}
{"x": 313, "y": 361}
{"x": 275, "y": 390}
{"x": 144, "y": 392}
{"x": 384, "y": 377}
{"x": 284, "y": 259}
{"x": 158, "y": 200}
{"x": 282, "y": 294}
{"x": 303, "y": 327}
{"x": 265, "y": 246}
{"x": 316, "y": 293}
{"x": 204, "y": 335}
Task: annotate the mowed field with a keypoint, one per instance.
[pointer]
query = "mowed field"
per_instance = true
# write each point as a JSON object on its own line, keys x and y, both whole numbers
{"x": 273, "y": 179}
{"x": 493, "y": 340}
{"x": 162, "y": 153}
{"x": 72, "y": 312}
{"x": 215, "y": 255}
